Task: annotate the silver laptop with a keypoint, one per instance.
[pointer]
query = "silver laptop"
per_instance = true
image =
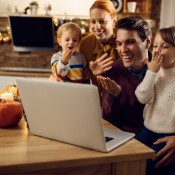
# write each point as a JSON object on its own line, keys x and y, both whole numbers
{"x": 68, "y": 112}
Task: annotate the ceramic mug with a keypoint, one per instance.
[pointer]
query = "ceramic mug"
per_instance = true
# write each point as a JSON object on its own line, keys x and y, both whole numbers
{"x": 131, "y": 6}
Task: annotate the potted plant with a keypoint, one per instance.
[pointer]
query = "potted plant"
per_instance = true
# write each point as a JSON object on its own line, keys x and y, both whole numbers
{"x": 48, "y": 8}
{"x": 34, "y": 7}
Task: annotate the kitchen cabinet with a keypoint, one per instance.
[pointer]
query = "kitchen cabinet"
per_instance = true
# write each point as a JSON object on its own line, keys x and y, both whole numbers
{"x": 143, "y": 8}
{"x": 147, "y": 9}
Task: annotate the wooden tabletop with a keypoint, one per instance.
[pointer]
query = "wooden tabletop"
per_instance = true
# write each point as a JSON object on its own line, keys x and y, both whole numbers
{"x": 21, "y": 151}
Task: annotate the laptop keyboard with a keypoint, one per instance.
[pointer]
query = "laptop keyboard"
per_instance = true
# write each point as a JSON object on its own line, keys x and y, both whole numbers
{"x": 108, "y": 139}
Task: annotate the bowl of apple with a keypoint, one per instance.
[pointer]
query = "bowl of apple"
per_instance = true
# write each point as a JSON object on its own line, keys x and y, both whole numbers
{"x": 11, "y": 109}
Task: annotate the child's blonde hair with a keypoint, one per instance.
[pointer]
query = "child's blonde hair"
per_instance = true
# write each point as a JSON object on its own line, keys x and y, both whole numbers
{"x": 69, "y": 26}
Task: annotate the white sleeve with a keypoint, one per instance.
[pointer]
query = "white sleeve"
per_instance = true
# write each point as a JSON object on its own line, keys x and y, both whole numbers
{"x": 145, "y": 91}
{"x": 63, "y": 69}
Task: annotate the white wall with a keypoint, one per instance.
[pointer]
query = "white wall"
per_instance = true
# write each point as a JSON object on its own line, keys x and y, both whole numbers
{"x": 59, "y": 7}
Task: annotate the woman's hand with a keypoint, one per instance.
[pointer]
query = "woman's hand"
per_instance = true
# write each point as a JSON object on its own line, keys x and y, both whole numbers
{"x": 156, "y": 62}
{"x": 168, "y": 152}
{"x": 101, "y": 65}
{"x": 110, "y": 85}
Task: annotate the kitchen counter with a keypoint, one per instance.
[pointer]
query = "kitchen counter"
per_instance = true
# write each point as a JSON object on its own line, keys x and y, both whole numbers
{"x": 25, "y": 72}
{"x": 35, "y": 64}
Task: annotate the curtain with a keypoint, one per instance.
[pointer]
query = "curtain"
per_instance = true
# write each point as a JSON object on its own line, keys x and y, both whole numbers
{"x": 167, "y": 13}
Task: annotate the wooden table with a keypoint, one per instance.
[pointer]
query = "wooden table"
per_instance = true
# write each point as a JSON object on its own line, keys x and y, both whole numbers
{"x": 23, "y": 153}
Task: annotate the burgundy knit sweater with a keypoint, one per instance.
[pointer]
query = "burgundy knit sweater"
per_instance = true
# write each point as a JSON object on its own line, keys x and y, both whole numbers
{"x": 124, "y": 111}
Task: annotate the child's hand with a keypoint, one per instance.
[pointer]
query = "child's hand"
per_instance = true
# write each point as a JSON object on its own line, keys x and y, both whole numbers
{"x": 66, "y": 55}
{"x": 156, "y": 62}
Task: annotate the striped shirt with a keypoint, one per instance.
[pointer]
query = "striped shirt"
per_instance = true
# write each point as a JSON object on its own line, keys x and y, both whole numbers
{"x": 71, "y": 72}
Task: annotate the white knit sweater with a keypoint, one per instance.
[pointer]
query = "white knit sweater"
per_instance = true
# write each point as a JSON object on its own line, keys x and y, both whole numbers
{"x": 157, "y": 91}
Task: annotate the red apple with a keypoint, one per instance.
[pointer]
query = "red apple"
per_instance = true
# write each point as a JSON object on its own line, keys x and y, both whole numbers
{"x": 10, "y": 113}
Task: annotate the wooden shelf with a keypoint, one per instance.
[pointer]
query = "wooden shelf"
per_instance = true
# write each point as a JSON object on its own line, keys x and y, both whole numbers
{"x": 143, "y": 8}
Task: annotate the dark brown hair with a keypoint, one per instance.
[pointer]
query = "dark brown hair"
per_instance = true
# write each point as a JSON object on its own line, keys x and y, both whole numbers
{"x": 168, "y": 35}
{"x": 137, "y": 24}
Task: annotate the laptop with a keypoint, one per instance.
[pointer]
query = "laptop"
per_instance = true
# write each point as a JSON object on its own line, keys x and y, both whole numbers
{"x": 68, "y": 112}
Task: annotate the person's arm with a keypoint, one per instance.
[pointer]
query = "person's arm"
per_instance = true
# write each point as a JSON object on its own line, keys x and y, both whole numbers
{"x": 145, "y": 91}
{"x": 168, "y": 152}
{"x": 59, "y": 69}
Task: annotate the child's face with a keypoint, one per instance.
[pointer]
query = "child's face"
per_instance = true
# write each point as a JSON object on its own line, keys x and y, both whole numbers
{"x": 166, "y": 50}
{"x": 69, "y": 40}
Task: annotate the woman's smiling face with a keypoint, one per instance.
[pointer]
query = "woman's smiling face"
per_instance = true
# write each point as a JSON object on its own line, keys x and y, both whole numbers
{"x": 101, "y": 24}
